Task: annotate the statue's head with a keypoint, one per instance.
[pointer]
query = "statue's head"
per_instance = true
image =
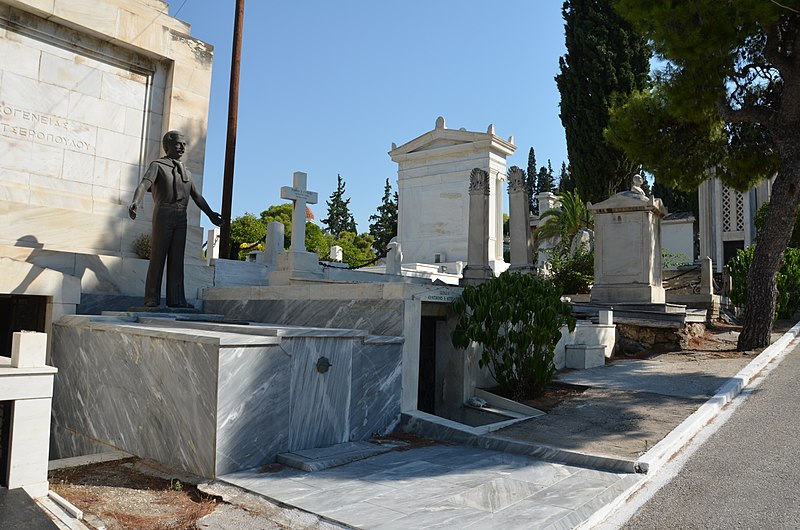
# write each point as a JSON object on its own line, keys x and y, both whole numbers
{"x": 638, "y": 180}
{"x": 174, "y": 144}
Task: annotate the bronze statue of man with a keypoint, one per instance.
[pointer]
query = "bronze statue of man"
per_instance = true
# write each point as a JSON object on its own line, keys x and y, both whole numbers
{"x": 171, "y": 185}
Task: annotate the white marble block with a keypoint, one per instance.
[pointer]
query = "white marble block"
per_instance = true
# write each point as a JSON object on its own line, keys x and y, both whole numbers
{"x": 627, "y": 259}
{"x": 606, "y": 317}
{"x": 582, "y": 356}
{"x": 28, "y": 349}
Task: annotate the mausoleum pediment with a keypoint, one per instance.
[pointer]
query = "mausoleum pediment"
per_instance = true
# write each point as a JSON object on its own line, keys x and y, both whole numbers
{"x": 441, "y": 139}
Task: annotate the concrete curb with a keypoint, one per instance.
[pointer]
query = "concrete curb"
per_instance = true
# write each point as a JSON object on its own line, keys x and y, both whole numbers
{"x": 664, "y": 450}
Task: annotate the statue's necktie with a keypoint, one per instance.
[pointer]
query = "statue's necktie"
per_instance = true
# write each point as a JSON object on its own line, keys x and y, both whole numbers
{"x": 178, "y": 176}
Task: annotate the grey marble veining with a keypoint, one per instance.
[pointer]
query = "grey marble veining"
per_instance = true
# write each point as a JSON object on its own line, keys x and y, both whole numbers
{"x": 496, "y": 490}
{"x": 152, "y": 396}
{"x": 377, "y": 388}
{"x": 319, "y": 402}
{"x": 377, "y": 316}
{"x": 496, "y": 494}
{"x": 213, "y": 398}
{"x": 252, "y": 409}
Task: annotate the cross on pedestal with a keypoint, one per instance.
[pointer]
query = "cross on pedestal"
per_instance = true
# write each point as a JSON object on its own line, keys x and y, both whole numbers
{"x": 299, "y": 196}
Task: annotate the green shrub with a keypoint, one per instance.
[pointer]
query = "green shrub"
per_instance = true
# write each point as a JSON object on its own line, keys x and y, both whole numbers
{"x": 573, "y": 275}
{"x": 787, "y": 281}
{"x": 517, "y": 318}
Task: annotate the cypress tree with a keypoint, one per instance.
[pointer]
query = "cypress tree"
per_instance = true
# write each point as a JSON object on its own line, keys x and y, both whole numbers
{"x": 605, "y": 56}
{"x": 339, "y": 219}
{"x": 565, "y": 180}
{"x": 385, "y": 226}
{"x": 530, "y": 182}
{"x": 545, "y": 180}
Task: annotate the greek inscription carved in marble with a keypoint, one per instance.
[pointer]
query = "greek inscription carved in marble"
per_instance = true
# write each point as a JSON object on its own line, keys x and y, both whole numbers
{"x": 21, "y": 123}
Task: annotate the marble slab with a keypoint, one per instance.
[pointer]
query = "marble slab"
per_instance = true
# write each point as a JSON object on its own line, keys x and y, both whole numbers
{"x": 213, "y": 398}
{"x": 377, "y": 316}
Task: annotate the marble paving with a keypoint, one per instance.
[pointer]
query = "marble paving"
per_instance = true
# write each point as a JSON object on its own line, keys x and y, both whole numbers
{"x": 444, "y": 486}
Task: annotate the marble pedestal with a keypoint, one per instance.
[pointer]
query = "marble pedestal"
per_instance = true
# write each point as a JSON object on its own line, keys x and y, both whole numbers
{"x": 295, "y": 264}
{"x": 212, "y": 398}
{"x": 627, "y": 259}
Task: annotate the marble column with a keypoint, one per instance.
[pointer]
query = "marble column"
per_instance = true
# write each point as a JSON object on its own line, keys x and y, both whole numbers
{"x": 519, "y": 226}
{"x": 477, "y": 270}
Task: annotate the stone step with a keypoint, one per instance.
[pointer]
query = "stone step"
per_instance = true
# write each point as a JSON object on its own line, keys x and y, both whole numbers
{"x": 336, "y": 455}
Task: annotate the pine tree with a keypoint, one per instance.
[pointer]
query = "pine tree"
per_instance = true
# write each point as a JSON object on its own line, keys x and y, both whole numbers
{"x": 729, "y": 100}
{"x": 385, "y": 226}
{"x": 605, "y": 57}
{"x": 530, "y": 182}
{"x": 339, "y": 217}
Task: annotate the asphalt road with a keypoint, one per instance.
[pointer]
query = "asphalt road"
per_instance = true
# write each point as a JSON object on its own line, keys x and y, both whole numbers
{"x": 747, "y": 475}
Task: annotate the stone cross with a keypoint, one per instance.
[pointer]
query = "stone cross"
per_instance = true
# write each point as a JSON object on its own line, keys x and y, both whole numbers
{"x": 299, "y": 196}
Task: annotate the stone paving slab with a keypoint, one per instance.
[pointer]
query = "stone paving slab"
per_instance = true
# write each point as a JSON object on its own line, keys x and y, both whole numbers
{"x": 610, "y": 423}
{"x": 668, "y": 375}
{"x": 443, "y": 486}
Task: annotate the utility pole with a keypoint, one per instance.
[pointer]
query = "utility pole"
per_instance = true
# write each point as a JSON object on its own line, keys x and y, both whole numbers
{"x": 230, "y": 146}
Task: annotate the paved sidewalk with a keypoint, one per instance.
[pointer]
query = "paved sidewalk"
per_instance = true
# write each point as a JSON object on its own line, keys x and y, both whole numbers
{"x": 746, "y": 474}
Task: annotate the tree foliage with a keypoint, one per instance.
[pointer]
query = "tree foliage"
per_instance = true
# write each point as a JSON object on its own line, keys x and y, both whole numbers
{"x": 727, "y": 103}
{"x": 385, "y": 226}
{"x": 339, "y": 219}
{"x": 606, "y": 59}
{"x": 545, "y": 179}
{"x": 566, "y": 221}
{"x": 530, "y": 183}
{"x": 677, "y": 200}
{"x": 247, "y": 233}
{"x": 356, "y": 248}
{"x": 517, "y": 318}
{"x": 565, "y": 180}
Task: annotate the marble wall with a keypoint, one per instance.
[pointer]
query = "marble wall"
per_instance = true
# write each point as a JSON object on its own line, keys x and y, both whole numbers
{"x": 214, "y": 398}
{"x": 383, "y": 317}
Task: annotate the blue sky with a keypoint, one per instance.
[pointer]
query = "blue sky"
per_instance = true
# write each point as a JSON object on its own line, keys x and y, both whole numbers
{"x": 326, "y": 87}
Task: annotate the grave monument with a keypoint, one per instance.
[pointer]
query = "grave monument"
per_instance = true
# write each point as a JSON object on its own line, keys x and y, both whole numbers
{"x": 433, "y": 181}
{"x": 628, "y": 248}
{"x": 87, "y": 89}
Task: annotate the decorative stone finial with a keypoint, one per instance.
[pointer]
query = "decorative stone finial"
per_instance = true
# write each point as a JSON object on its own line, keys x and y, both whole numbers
{"x": 511, "y": 139}
{"x": 490, "y": 129}
{"x": 394, "y": 146}
{"x": 440, "y": 122}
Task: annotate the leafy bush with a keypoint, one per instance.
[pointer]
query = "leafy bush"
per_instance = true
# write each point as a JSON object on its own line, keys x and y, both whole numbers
{"x": 517, "y": 318}
{"x": 787, "y": 281}
{"x": 141, "y": 246}
{"x": 572, "y": 275}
